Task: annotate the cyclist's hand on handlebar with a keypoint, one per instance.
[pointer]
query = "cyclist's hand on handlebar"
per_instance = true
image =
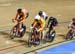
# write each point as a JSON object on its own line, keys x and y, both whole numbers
{"x": 13, "y": 20}
{"x": 31, "y": 27}
{"x": 18, "y": 20}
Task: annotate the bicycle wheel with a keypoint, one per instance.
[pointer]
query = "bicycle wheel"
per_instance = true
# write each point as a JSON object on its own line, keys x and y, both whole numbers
{"x": 49, "y": 37}
{"x": 46, "y": 37}
{"x": 13, "y": 33}
{"x": 29, "y": 40}
{"x": 69, "y": 36}
{"x": 52, "y": 36}
{"x": 33, "y": 37}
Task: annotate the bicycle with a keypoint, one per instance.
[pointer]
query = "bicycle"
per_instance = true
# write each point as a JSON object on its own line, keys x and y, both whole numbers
{"x": 34, "y": 37}
{"x": 15, "y": 32}
{"x": 70, "y": 35}
{"x": 49, "y": 36}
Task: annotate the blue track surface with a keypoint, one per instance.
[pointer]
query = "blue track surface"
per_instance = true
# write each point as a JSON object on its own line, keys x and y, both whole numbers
{"x": 66, "y": 48}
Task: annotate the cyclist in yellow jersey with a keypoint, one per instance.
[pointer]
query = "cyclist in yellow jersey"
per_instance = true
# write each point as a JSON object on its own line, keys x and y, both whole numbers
{"x": 40, "y": 23}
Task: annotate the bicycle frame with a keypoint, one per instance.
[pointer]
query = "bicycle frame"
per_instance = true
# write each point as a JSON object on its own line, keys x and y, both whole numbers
{"x": 15, "y": 31}
{"x": 50, "y": 35}
{"x": 35, "y": 34}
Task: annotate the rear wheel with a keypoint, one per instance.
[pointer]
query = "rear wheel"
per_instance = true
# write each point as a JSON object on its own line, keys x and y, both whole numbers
{"x": 50, "y": 36}
{"x": 33, "y": 38}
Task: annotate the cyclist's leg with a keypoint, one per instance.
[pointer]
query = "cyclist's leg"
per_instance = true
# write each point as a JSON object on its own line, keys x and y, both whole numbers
{"x": 41, "y": 35}
{"x": 54, "y": 28}
{"x": 37, "y": 36}
{"x": 50, "y": 29}
{"x": 15, "y": 28}
{"x": 20, "y": 26}
{"x": 53, "y": 33}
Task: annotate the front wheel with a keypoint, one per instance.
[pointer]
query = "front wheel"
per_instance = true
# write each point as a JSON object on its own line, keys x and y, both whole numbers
{"x": 13, "y": 33}
{"x": 69, "y": 35}
{"x": 30, "y": 40}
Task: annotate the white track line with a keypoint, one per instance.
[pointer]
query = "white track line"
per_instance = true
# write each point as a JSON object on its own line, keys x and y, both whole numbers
{"x": 8, "y": 4}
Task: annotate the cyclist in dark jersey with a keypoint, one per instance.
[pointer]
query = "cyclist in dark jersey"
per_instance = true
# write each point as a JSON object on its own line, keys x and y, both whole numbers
{"x": 52, "y": 22}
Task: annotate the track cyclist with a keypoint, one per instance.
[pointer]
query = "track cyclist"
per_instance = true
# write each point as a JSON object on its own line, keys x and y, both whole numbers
{"x": 72, "y": 26}
{"x": 20, "y": 17}
{"x": 52, "y": 23}
{"x": 39, "y": 23}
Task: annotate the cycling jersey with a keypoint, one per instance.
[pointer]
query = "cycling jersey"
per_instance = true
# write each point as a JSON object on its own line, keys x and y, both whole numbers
{"x": 40, "y": 24}
{"x": 21, "y": 16}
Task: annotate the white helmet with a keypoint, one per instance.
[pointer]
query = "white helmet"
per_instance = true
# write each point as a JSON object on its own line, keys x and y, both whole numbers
{"x": 37, "y": 17}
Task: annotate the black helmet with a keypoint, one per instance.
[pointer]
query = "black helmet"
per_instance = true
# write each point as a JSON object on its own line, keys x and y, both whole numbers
{"x": 51, "y": 17}
{"x": 19, "y": 10}
{"x": 40, "y": 13}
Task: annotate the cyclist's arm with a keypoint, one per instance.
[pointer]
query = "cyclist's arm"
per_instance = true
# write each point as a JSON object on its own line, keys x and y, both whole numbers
{"x": 16, "y": 16}
{"x": 44, "y": 14}
{"x": 27, "y": 15}
{"x": 23, "y": 18}
{"x": 25, "y": 12}
{"x": 33, "y": 23}
{"x": 43, "y": 25}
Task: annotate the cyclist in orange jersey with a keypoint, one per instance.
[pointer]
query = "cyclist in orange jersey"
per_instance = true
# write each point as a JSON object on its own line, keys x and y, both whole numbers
{"x": 21, "y": 16}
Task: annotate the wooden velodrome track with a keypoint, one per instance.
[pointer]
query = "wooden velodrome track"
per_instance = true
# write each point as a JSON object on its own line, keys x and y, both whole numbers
{"x": 63, "y": 10}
